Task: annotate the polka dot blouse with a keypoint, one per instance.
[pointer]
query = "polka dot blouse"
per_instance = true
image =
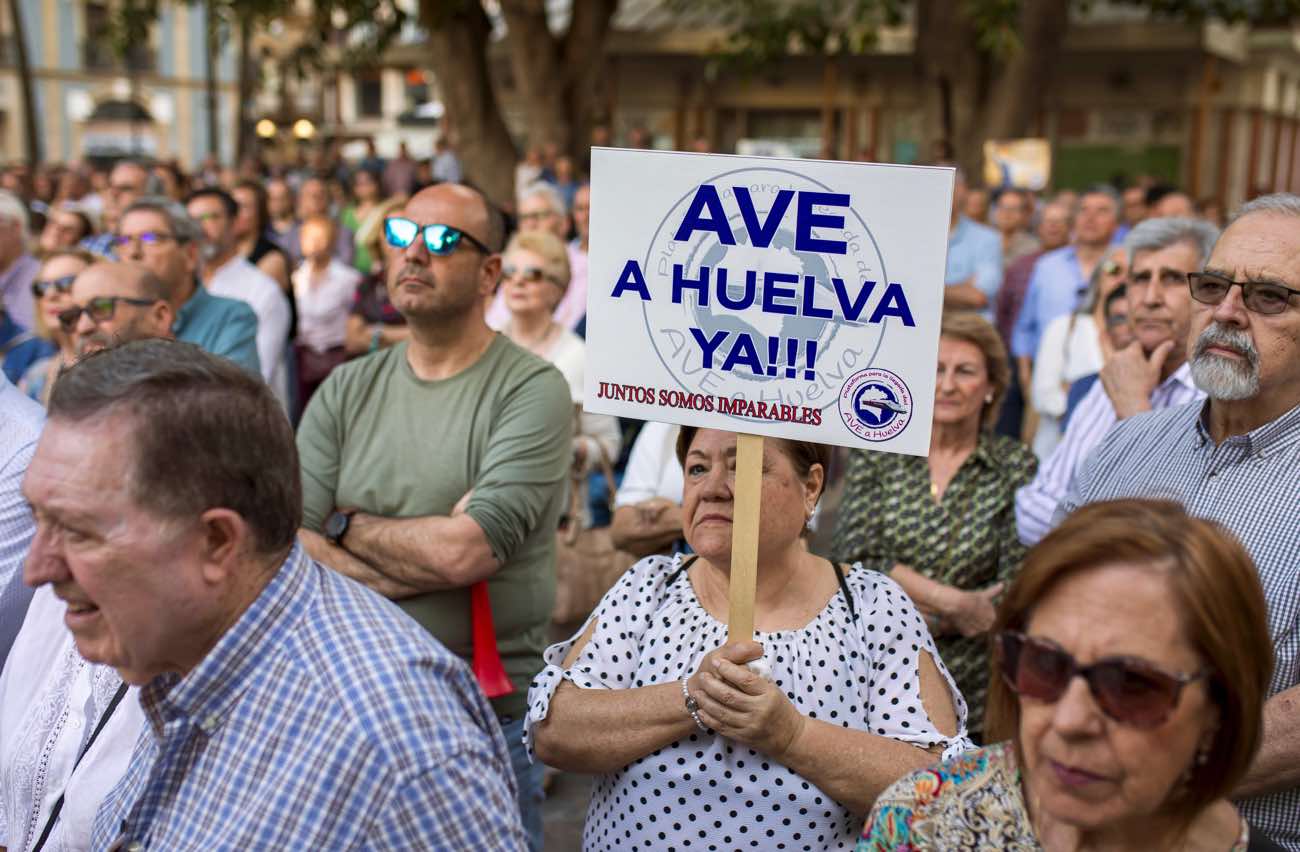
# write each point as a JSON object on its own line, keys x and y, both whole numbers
{"x": 706, "y": 792}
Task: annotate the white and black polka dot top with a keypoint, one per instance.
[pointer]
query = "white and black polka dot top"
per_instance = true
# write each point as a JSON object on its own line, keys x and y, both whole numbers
{"x": 854, "y": 664}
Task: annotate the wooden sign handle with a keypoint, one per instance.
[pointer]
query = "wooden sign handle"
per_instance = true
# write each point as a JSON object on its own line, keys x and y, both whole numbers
{"x": 747, "y": 498}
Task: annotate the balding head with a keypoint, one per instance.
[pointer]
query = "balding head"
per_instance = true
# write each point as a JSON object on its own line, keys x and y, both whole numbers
{"x": 119, "y": 302}
{"x": 455, "y": 286}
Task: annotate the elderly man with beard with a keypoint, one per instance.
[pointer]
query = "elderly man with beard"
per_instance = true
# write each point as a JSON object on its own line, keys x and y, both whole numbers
{"x": 1235, "y": 459}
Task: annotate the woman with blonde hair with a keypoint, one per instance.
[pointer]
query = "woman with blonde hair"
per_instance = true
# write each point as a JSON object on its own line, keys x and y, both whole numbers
{"x": 52, "y": 289}
{"x": 943, "y": 526}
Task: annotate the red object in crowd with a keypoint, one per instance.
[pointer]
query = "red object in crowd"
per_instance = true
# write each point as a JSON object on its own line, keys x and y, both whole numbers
{"x": 487, "y": 659}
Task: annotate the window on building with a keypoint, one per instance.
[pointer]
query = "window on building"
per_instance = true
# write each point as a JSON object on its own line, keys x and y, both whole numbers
{"x": 370, "y": 95}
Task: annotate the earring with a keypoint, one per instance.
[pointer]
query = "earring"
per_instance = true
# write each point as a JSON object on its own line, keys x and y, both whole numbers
{"x": 988, "y": 399}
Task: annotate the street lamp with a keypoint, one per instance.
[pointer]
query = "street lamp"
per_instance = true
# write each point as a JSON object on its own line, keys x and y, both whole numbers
{"x": 266, "y": 128}
{"x": 303, "y": 129}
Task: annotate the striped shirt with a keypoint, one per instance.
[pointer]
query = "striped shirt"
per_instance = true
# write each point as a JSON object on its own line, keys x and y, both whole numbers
{"x": 20, "y": 426}
{"x": 1251, "y": 484}
{"x": 324, "y": 718}
{"x": 1036, "y": 502}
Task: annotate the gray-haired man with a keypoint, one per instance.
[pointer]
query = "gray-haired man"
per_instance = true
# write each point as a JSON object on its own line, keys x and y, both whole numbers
{"x": 159, "y": 234}
{"x": 1235, "y": 459}
{"x": 1151, "y": 373}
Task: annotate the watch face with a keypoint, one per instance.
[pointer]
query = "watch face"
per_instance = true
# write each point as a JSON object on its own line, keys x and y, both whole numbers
{"x": 692, "y": 705}
{"x": 336, "y": 525}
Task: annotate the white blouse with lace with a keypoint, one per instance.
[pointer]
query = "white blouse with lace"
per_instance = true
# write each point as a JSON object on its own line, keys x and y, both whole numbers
{"x": 50, "y": 701}
{"x": 854, "y": 666}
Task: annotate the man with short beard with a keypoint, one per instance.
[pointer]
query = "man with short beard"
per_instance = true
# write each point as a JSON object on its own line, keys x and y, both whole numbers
{"x": 1235, "y": 459}
{"x": 433, "y": 470}
{"x": 116, "y": 303}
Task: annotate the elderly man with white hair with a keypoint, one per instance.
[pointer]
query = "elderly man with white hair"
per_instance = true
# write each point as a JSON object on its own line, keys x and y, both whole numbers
{"x": 1235, "y": 459}
{"x": 17, "y": 267}
{"x": 542, "y": 209}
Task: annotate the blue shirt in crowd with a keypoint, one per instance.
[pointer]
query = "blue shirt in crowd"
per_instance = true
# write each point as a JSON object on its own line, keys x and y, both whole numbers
{"x": 325, "y": 718}
{"x": 975, "y": 251}
{"x": 19, "y": 349}
{"x": 225, "y": 327}
{"x": 1055, "y": 287}
{"x": 20, "y": 427}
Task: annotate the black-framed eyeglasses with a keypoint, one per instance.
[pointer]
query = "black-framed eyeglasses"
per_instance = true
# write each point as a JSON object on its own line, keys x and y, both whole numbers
{"x": 439, "y": 239}
{"x": 530, "y": 274}
{"x": 42, "y": 286}
{"x": 1262, "y": 297}
{"x": 1129, "y": 690}
{"x": 99, "y": 309}
{"x": 148, "y": 239}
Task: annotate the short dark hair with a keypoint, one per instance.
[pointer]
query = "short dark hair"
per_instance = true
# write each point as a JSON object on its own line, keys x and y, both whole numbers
{"x": 227, "y": 200}
{"x": 259, "y": 194}
{"x": 207, "y": 434}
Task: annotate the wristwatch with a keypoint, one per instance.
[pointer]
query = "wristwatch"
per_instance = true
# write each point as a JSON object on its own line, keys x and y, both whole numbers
{"x": 336, "y": 526}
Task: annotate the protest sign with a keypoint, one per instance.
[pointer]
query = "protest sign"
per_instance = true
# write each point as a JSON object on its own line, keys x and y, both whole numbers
{"x": 798, "y": 299}
{"x": 789, "y": 298}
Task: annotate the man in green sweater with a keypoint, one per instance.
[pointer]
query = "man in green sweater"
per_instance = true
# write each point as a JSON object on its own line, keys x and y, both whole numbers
{"x": 440, "y": 463}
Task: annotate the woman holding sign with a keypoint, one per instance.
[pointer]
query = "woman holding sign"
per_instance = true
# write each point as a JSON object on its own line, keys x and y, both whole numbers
{"x": 944, "y": 527}
{"x": 693, "y": 748}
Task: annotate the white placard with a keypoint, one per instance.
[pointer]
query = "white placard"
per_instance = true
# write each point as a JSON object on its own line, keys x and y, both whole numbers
{"x": 792, "y": 298}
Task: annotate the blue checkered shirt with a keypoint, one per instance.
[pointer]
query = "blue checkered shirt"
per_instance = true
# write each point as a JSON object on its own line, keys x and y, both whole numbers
{"x": 1251, "y": 484}
{"x": 20, "y": 426}
{"x": 325, "y": 718}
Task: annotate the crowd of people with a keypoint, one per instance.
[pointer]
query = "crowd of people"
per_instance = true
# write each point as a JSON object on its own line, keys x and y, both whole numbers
{"x": 288, "y": 458}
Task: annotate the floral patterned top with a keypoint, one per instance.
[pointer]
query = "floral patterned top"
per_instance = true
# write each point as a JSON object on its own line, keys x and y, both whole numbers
{"x": 968, "y": 539}
{"x": 972, "y": 801}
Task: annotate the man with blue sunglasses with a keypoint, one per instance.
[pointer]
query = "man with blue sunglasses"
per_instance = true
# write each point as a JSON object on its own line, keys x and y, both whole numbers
{"x": 434, "y": 470}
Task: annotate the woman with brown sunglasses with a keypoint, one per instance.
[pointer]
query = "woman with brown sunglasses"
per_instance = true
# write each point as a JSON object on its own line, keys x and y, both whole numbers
{"x": 52, "y": 290}
{"x": 1132, "y": 658}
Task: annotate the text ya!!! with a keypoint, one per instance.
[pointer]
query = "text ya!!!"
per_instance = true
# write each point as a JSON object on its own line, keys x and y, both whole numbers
{"x": 771, "y": 292}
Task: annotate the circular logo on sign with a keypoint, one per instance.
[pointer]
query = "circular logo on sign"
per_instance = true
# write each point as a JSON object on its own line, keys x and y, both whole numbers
{"x": 875, "y": 404}
{"x": 798, "y": 356}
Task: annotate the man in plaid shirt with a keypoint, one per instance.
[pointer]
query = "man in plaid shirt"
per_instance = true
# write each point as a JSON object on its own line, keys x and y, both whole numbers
{"x": 286, "y": 706}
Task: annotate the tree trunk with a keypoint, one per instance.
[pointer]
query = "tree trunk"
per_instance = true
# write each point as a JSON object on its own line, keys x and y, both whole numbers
{"x": 458, "y": 43}
{"x": 538, "y": 72}
{"x": 585, "y": 67}
{"x": 972, "y": 96}
{"x": 1016, "y": 96}
{"x": 245, "y": 72}
{"x": 210, "y": 76}
{"x": 559, "y": 79}
{"x": 30, "y": 118}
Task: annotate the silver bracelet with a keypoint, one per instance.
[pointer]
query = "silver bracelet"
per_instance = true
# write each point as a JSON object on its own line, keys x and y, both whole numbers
{"x": 693, "y": 707}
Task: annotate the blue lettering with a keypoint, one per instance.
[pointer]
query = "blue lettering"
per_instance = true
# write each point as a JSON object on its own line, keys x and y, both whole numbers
{"x": 709, "y": 346}
{"x": 852, "y": 310}
{"x": 894, "y": 304}
{"x": 743, "y": 352}
{"x": 806, "y": 220}
{"x": 747, "y": 297}
{"x": 706, "y": 200}
{"x": 700, "y": 286}
{"x": 771, "y": 292}
{"x": 810, "y": 291}
{"x": 632, "y": 279}
{"x": 760, "y": 236}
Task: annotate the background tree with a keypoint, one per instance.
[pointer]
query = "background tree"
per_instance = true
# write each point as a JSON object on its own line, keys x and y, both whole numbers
{"x": 30, "y": 117}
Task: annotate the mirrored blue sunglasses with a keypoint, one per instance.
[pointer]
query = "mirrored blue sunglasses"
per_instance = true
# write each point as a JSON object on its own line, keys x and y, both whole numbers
{"x": 438, "y": 239}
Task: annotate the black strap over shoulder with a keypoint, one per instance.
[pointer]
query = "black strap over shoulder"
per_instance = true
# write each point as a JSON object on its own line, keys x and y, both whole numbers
{"x": 58, "y": 804}
{"x": 844, "y": 588}
{"x": 686, "y": 564}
